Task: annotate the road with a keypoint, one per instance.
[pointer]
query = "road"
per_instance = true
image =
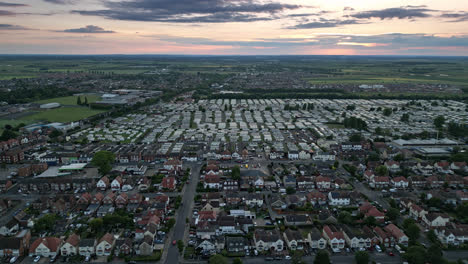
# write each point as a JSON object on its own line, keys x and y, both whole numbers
{"x": 183, "y": 213}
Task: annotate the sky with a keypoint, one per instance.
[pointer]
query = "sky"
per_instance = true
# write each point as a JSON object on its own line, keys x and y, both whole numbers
{"x": 235, "y": 27}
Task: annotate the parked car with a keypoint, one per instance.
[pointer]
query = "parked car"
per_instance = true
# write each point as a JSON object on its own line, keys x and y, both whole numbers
{"x": 287, "y": 257}
{"x": 13, "y": 259}
{"x": 36, "y": 259}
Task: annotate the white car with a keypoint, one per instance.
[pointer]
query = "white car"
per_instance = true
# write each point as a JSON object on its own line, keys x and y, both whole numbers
{"x": 13, "y": 259}
{"x": 36, "y": 259}
{"x": 287, "y": 257}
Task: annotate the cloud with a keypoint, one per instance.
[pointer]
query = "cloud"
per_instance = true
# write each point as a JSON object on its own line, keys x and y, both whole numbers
{"x": 88, "y": 29}
{"x": 60, "y": 2}
{"x": 326, "y": 23}
{"x": 4, "y": 4}
{"x": 12, "y": 27}
{"x": 395, "y": 12}
{"x": 189, "y": 11}
{"x": 6, "y": 13}
{"x": 348, "y": 8}
{"x": 456, "y": 16}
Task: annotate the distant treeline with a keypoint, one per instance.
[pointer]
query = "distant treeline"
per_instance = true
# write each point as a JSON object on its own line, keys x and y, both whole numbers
{"x": 266, "y": 94}
{"x": 27, "y": 95}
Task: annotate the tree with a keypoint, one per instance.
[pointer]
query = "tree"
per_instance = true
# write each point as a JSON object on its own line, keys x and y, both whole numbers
{"x": 416, "y": 255}
{"x": 387, "y": 111}
{"x": 361, "y": 257}
{"x": 96, "y": 224}
{"x": 55, "y": 133}
{"x": 381, "y": 170}
{"x": 355, "y": 138}
{"x": 86, "y": 100}
{"x": 218, "y": 259}
{"x": 8, "y": 134}
{"x": 370, "y": 221}
{"x": 434, "y": 254}
{"x": 404, "y": 117}
{"x": 45, "y": 223}
{"x": 290, "y": 190}
{"x": 78, "y": 100}
{"x": 431, "y": 235}
{"x": 103, "y": 160}
{"x": 413, "y": 232}
{"x": 345, "y": 217}
{"x": 235, "y": 173}
{"x": 297, "y": 257}
{"x": 407, "y": 222}
{"x": 237, "y": 261}
{"x": 322, "y": 257}
{"x": 439, "y": 121}
{"x": 393, "y": 214}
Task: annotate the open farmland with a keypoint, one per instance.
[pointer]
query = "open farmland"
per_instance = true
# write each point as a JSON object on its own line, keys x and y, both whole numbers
{"x": 63, "y": 114}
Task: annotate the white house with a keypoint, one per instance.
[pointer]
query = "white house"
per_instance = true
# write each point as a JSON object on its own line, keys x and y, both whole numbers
{"x": 400, "y": 182}
{"x": 316, "y": 240}
{"x": 334, "y": 237}
{"x": 268, "y": 240}
{"x": 338, "y": 198}
{"x": 10, "y": 228}
{"x": 86, "y": 247}
{"x": 103, "y": 183}
{"x": 323, "y": 156}
{"x": 435, "y": 219}
{"x": 70, "y": 247}
{"x": 293, "y": 155}
{"x": 105, "y": 245}
{"x": 45, "y": 247}
{"x": 117, "y": 183}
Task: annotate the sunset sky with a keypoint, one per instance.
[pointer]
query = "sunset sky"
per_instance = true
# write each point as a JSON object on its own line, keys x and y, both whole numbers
{"x": 231, "y": 27}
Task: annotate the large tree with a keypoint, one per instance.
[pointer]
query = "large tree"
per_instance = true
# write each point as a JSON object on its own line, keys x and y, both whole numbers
{"x": 361, "y": 257}
{"x": 439, "y": 121}
{"x": 322, "y": 257}
{"x": 413, "y": 232}
{"x": 103, "y": 160}
{"x": 218, "y": 259}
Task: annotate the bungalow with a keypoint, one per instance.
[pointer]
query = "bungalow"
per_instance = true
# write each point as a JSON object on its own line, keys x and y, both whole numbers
{"x": 45, "y": 247}
{"x": 295, "y": 220}
{"x": 206, "y": 246}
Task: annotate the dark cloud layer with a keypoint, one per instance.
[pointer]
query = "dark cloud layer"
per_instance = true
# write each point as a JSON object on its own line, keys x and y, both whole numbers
{"x": 326, "y": 23}
{"x": 6, "y": 13}
{"x": 456, "y": 16}
{"x": 88, "y": 29}
{"x": 4, "y": 4}
{"x": 396, "y": 12}
{"x": 60, "y": 2}
{"x": 189, "y": 11}
{"x": 12, "y": 27}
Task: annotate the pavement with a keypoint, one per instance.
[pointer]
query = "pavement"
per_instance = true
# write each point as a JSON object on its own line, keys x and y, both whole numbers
{"x": 183, "y": 213}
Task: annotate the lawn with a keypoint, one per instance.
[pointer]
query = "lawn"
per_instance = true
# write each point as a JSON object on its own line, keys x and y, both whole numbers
{"x": 63, "y": 114}
{"x": 70, "y": 100}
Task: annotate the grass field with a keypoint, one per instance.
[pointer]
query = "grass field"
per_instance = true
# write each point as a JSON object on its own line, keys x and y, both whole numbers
{"x": 12, "y": 123}
{"x": 63, "y": 114}
{"x": 70, "y": 100}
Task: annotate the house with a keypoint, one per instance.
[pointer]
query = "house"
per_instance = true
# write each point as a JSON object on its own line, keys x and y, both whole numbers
{"x": 10, "y": 228}
{"x": 443, "y": 167}
{"x": 227, "y": 225}
{"x": 103, "y": 183}
{"x": 169, "y": 183}
{"x": 236, "y": 244}
{"x": 334, "y": 237}
{"x": 117, "y": 184}
{"x": 289, "y": 181}
{"x": 123, "y": 246}
{"x": 105, "y": 245}
{"x": 453, "y": 234}
{"x": 400, "y": 237}
{"x": 86, "y": 247}
{"x": 400, "y": 182}
{"x": 379, "y": 182}
{"x": 45, "y": 247}
{"x": 435, "y": 219}
{"x": 323, "y": 183}
{"x": 385, "y": 238}
{"x": 70, "y": 247}
{"x": 316, "y": 240}
{"x": 294, "y": 239}
{"x": 369, "y": 210}
{"x": 317, "y": 198}
{"x": 212, "y": 182}
{"x": 323, "y": 156}
{"x": 277, "y": 202}
{"x": 295, "y": 220}
{"x": 254, "y": 199}
{"x": 268, "y": 241}
{"x": 416, "y": 212}
{"x": 355, "y": 239}
{"x": 293, "y": 155}
{"x": 305, "y": 183}
{"x": 392, "y": 166}
{"x": 15, "y": 246}
{"x": 146, "y": 246}
{"x": 338, "y": 198}
{"x": 173, "y": 165}
{"x": 206, "y": 246}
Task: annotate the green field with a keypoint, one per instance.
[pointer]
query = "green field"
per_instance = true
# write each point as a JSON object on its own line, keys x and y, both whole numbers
{"x": 63, "y": 114}
{"x": 12, "y": 123}
{"x": 70, "y": 100}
